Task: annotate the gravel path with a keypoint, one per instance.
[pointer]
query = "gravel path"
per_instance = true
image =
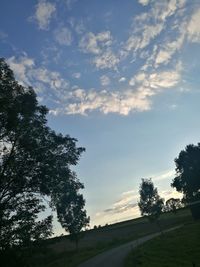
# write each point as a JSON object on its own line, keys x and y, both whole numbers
{"x": 115, "y": 257}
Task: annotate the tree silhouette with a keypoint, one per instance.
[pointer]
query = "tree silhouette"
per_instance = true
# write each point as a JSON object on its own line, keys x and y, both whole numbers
{"x": 150, "y": 204}
{"x": 73, "y": 217}
{"x": 173, "y": 204}
{"x": 187, "y": 178}
{"x": 35, "y": 163}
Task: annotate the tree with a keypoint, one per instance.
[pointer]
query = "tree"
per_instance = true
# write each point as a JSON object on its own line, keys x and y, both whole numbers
{"x": 187, "y": 178}
{"x": 35, "y": 164}
{"x": 173, "y": 204}
{"x": 73, "y": 217}
{"x": 150, "y": 204}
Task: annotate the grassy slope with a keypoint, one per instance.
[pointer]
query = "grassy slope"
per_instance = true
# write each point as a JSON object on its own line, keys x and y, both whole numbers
{"x": 62, "y": 254}
{"x": 175, "y": 249}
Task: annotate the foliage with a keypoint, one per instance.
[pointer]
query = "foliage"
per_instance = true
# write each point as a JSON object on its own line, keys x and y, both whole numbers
{"x": 34, "y": 165}
{"x": 150, "y": 204}
{"x": 187, "y": 178}
{"x": 73, "y": 217}
{"x": 173, "y": 204}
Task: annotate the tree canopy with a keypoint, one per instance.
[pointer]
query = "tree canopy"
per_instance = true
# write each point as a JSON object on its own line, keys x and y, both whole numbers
{"x": 187, "y": 178}
{"x": 35, "y": 163}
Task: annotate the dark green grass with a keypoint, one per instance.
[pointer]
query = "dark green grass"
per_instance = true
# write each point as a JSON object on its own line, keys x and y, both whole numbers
{"x": 179, "y": 248}
{"x": 59, "y": 252}
{"x": 118, "y": 234}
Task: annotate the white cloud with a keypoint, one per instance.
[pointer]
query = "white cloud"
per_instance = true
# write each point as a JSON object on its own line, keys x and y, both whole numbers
{"x": 143, "y": 2}
{"x": 141, "y": 76}
{"x": 105, "y": 80}
{"x": 99, "y": 46}
{"x": 157, "y": 80}
{"x": 170, "y": 174}
{"x": 76, "y": 75}
{"x": 122, "y": 79}
{"x": 140, "y": 41}
{"x": 164, "y": 79}
{"x": 170, "y": 48}
{"x": 170, "y": 194}
{"x": 106, "y": 60}
{"x": 43, "y": 14}
{"x": 106, "y": 102}
{"x": 144, "y": 29}
{"x": 124, "y": 208}
{"x": 20, "y": 67}
{"x": 91, "y": 43}
{"x": 193, "y": 28}
{"x": 63, "y": 36}
{"x": 28, "y": 74}
{"x": 123, "y": 102}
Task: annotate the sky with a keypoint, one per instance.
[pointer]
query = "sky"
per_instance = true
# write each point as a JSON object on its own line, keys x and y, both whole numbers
{"x": 120, "y": 76}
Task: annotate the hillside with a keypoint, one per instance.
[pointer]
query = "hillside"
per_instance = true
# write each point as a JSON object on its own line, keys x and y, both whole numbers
{"x": 60, "y": 251}
{"x": 179, "y": 248}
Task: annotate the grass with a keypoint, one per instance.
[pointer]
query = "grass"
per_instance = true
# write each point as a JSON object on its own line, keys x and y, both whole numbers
{"x": 180, "y": 248}
{"x": 60, "y": 252}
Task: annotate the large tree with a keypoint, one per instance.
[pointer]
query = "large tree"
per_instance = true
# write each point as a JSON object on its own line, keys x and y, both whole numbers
{"x": 35, "y": 163}
{"x": 187, "y": 178}
{"x": 150, "y": 203}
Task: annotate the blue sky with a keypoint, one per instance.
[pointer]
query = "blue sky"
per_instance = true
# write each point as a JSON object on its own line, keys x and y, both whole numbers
{"x": 120, "y": 76}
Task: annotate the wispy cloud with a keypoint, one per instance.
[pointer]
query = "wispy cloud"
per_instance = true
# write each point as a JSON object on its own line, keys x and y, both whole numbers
{"x": 42, "y": 79}
{"x": 170, "y": 174}
{"x": 106, "y": 60}
{"x": 99, "y": 46}
{"x": 122, "y": 79}
{"x": 193, "y": 27}
{"x": 20, "y": 68}
{"x": 76, "y": 75}
{"x": 143, "y": 2}
{"x": 158, "y": 68}
{"x": 105, "y": 80}
{"x": 43, "y": 14}
{"x": 123, "y": 102}
{"x": 94, "y": 44}
{"x": 145, "y": 29}
{"x": 63, "y": 36}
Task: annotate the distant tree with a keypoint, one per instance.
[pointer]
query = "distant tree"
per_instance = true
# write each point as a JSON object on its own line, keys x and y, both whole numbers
{"x": 73, "y": 217}
{"x": 150, "y": 204}
{"x": 35, "y": 164}
{"x": 173, "y": 204}
{"x": 187, "y": 178}
{"x": 95, "y": 227}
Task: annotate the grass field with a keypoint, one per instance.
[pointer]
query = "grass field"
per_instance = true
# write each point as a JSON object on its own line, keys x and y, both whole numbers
{"x": 180, "y": 248}
{"x": 60, "y": 252}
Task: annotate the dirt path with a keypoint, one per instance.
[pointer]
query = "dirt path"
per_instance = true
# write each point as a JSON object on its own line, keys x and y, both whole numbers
{"x": 116, "y": 256}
